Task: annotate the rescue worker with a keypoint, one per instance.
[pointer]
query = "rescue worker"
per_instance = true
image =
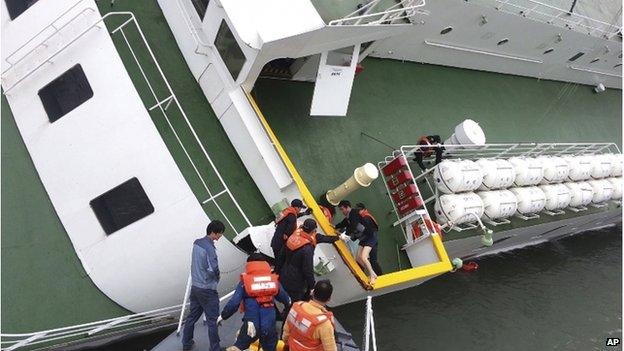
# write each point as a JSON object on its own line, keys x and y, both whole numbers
{"x": 309, "y": 326}
{"x": 362, "y": 227}
{"x": 433, "y": 142}
{"x": 285, "y": 225}
{"x": 297, "y": 268}
{"x": 255, "y": 295}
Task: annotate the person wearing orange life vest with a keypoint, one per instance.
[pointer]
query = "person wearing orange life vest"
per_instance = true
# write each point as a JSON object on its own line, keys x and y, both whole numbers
{"x": 255, "y": 295}
{"x": 285, "y": 225}
{"x": 297, "y": 265}
{"x": 309, "y": 326}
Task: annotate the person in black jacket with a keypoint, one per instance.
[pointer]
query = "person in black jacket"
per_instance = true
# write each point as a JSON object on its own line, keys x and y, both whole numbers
{"x": 297, "y": 268}
{"x": 285, "y": 225}
{"x": 360, "y": 224}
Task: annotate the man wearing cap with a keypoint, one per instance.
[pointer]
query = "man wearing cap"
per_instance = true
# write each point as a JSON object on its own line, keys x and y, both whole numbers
{"x": 285, "y": 225}
{"x": 297, "y": 264}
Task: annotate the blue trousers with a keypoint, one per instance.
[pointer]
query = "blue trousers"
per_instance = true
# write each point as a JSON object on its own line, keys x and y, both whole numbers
{"x": 202, "y": 301}
{"x": 268, "y": 338}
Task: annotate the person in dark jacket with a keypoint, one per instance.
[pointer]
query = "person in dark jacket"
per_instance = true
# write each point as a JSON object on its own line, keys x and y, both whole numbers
{"x": 205, "y": 276}
{"x": 297, "y": 268}
{"x": 257, "y": 301}
{"x": 360, "y": 224}
{"x": 285, "y": 225}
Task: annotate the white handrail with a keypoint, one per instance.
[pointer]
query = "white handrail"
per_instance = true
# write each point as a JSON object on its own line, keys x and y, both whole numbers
{"x": 401, "y": 10}
{"x": 607, "y": 30}
{"x": 52, "y": 24}
{"x": 89, "y": 330}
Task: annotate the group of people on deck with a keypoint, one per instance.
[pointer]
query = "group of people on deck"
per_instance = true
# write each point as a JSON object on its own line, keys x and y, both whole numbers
{"x": 307, "y": 324}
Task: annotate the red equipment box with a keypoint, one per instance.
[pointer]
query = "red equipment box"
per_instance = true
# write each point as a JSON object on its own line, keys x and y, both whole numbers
{"x": 394, "y": 166}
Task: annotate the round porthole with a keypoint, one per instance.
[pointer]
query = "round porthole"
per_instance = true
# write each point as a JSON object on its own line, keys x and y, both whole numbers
{"x": 504, "y": 41}
{"x": 548, "y": 51}
{"x": 446, "y": 30}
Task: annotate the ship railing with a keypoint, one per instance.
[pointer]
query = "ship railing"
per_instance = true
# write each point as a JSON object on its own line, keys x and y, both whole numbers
{"x": 166, "y": 104}
{"x": 158, "y": 318}
{"x": 472, "y": 152}
{"x": 53, "y": 29}
{"x": 370, "y": 14}
{"x": 549, "y": 14}
{"x": 193, "y": 27}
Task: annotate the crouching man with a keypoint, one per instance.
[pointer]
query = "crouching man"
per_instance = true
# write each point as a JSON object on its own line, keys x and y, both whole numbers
{"x": 255, "y": 295}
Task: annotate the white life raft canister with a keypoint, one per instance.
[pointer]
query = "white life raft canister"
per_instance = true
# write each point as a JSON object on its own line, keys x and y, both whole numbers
{"x": 601, "y": 166}
{"x": 454, "y": 176}
{"x": 617, "y": 188}
{"x": 467, "y": 133}
{"x": 556, "y": 169}
{"x": 580, "y": 167}
{"x": 529, "y": 171}
{"x": 498, "y": 203}
{"x": 581, "y": 193}
{"x": 497, "y": 173}
{"x": 457, "y": 208}
{"x": 557, "y": 196}
{"x": 530, "y": 199}
{"x": 603, "y": 189}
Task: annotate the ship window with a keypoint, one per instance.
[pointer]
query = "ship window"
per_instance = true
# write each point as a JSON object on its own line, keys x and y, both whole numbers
{"x": 17, "y": 7}
{"x": 200, "y": 7}
{"x": 229, "y": 50}
{"x": 618, "y": 65}
{"x": 446, "y": 30}
{"x": 548, "y": 51}
{"x": 65, "y": 93}
{"x": 504, "y": 41}
{"x": 122, "y": 206}
{"x": 575, "y": 57}
{"x": 594, "y": 60}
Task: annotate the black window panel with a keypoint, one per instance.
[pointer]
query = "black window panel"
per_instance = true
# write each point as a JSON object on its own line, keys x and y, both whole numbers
{"x": 228, "y": 48}
{"x": 575, "y": 57}
{"x": 17, "y": 7}
{"x": 200, "y": 7}
{"x": 122, "y": 206}
{"x": 65, "y": 93}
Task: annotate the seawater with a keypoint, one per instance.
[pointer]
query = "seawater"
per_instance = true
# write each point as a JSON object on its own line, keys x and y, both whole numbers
{"x": 561, "y": 295}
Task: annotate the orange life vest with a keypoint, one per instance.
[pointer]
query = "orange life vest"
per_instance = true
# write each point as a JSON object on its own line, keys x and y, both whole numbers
{"x": 302, "y": 325}
{"x": 260, "y": 283}
{"x": 300, "y": 238}
{"x": 287, "y": 211}
{"x": 327, "y": 213}
{"x": 365, "y": 213}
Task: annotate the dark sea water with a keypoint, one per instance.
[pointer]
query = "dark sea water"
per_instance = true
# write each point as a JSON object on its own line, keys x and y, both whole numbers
{"x": 563, "y": 295}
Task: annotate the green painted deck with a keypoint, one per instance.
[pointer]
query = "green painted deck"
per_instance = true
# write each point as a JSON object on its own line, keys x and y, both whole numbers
{"x": 43, "y": 283}
{"x": 397, "y": 102}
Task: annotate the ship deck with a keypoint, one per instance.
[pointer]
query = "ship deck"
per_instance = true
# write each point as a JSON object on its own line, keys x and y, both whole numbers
{"x": 393, "y": 103}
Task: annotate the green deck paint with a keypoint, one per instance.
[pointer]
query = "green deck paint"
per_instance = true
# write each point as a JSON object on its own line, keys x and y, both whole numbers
{"x": 397, "y": 102}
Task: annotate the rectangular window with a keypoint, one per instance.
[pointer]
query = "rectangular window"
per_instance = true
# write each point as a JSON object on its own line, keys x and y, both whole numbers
{"x": 122, "y": 206}
{"x": 65, "y": 93}
{"x": 17, "y": 7}
{"x": 229, "y": 50}
{"x": 200, "y": 7}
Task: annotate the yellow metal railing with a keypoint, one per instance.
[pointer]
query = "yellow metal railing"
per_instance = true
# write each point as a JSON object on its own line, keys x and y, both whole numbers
{"x": 383, "y": 281}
